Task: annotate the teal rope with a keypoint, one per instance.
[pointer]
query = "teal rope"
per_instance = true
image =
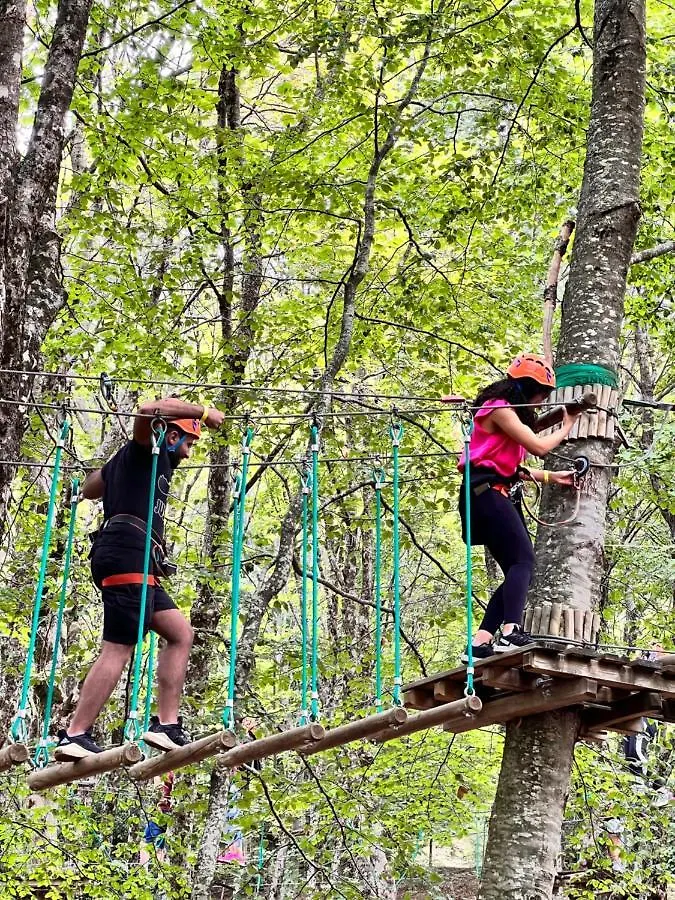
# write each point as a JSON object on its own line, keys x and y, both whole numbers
{"x": 149, "y": 679}
{"x": 467, "y": 430}
{"x": 261, "y": 860}
{"x": 378, "y": 477}
{"x": 19, "y": 731}
{"x": 132, "y": 729}
{"x": 306, "y": 488}
{"x": 396, "y": 434}
{"x": 315, "y": 572}
{"x": 575, "y": 374}
{"x": 42, "y": 753}
{"x": 237, "y": 553}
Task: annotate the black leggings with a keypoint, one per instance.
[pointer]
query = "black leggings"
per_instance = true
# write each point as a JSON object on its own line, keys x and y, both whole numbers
{"x": 499, "y": 524}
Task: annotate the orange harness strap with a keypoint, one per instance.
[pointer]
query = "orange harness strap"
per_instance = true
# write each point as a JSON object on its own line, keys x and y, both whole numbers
{"x": 127, "y": 578}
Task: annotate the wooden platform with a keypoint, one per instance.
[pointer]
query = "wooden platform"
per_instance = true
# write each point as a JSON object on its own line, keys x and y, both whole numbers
{"x": 614, "y": 692}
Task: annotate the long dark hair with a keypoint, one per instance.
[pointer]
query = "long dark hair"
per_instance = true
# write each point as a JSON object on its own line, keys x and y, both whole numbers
{"x": 515, "y": 391}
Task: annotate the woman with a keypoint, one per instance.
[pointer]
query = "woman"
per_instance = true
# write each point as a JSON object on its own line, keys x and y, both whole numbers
{"x": 502, "y": 437}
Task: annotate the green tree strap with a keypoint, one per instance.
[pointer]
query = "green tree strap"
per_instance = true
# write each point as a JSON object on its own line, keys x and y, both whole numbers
{"x": 42, "y": 753}
{"x": 239, "y": 518}
{"x": 149, "y": 677}
{"x": 378, "y": 478}
{"x": 304, "y": 625}
{"x": 19, "y": 730}
{"x": 132, "y": 730}
{"x": 315, "y": 572}
{"x": 467, "y": 429}
{"x": 396, "y": 434}
{"x": 584, "y": 373}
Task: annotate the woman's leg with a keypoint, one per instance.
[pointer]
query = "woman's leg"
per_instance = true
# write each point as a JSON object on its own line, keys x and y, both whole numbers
{"x": 509, "y": 543}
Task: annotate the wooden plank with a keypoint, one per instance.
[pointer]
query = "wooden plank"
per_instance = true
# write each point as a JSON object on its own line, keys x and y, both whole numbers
{"x": 578, "y": 624}
{"x": 194, "y": 752}
{"x": 568, "y": 614}
{"x": 602, "y": 670}
{"x": 603, "y": 403}
{"x": 536, "y": 620}
{"x": 527, "y": 624}
{"x": 560, "y": 695}
{"x": 668, "y": 711}
{"x": 13, "y": 755}
{"x": 588, "y": 626}
{"x": 355, "y": 731}
{"x": 583, "y": 421}
{"x": 446, "y": 691}
{"x": 510, "y": 658}
{"x": 97, "y": 763}
{"x": 418, "y": 698}
{"x": 593, "y": 417}
{"x": 509, "y": 680}
{"x": 645, "y": 703}
{"x": 466, "y": 708}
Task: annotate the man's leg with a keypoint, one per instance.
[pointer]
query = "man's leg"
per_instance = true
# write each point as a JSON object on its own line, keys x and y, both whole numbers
{"x": 99, "y": 684}
{"x": 172, "y": 625}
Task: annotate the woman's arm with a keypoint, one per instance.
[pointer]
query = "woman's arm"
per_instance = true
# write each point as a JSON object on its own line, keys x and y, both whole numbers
{"x": 93, "y": 486}
{"x": 508, "y": 422}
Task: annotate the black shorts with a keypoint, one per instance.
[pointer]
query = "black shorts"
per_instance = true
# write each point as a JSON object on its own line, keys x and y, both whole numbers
{"x": 122, "y": 603}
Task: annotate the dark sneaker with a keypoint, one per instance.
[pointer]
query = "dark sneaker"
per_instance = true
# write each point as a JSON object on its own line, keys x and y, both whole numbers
{"x": 517, "y": 638}
{"x": 479, "y": 651}
{"x": 166, "y": 737}
{"x": 70, "y": 748}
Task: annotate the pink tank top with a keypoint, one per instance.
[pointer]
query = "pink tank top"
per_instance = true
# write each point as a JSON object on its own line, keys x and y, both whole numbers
{"x": 493, "y": 451}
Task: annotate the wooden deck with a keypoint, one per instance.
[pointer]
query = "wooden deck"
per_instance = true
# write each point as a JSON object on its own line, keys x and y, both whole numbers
{"x": 614, "y": 692}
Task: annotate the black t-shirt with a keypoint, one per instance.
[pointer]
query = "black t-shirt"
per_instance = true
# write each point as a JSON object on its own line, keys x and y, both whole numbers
{"x": 126, "y": 479}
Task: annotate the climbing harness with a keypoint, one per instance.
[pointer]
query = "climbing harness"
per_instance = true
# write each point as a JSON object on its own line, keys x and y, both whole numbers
{"x": 378, "y": 483}
{"x": 132, "y": 730}
{"x": 19, "y": 730}
{"x": 42, "y": 753}
{"x": 396, "y": 435}
{"x": 581, "y": 466}
{"x": 467, "y": 430}
{"x": 238, "y": 521}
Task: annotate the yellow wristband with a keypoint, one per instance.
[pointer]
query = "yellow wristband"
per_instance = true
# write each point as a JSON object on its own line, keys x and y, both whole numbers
{"x": 205, "y": 414}
{"x": 546, "y": 476}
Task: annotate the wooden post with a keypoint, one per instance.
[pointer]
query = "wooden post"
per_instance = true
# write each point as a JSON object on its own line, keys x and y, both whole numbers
{"x": 611, "y": 416}
{"x": 603, "y": 403}
{"x": 195, "y": 752}
{"x": 578, "y": 624}
{"x": 595, "y": 628}
{"x": 556, "y": 615}
{"x": 568, "y": 613}
{"x": 528, "y": 619}
{"x": 65, "y": 773}
{"x": 588, "y": 626}
{"x": 13, "y": 755}
{"x": 536, "y": 619}
{"x": 467, "y": 707}
{"x": 362, "y": 728}
{"x": 545, "y": 622}
{"x": 583, "y": 423}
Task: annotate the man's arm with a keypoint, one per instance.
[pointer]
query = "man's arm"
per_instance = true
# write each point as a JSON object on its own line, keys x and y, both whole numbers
{"x": 93, "y": 486}
{"x": 172, "y": 408}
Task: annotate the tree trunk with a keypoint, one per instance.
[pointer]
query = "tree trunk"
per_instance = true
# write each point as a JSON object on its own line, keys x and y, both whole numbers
{"x": 525, "y": 827}
{"x": 30, "y": 275}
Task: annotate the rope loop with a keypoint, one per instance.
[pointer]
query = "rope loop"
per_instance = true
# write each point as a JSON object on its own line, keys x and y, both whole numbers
{"x": 379, "y": 479}
{"x": 396, "y": 430}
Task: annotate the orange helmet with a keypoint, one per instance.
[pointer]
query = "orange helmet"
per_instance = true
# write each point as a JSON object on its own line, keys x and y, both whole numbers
{"x": 189, "y": 426}
{"x": 527, "y": 365}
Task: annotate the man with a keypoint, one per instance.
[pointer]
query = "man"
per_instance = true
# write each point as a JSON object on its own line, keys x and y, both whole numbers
{"x": 117, "y": 569}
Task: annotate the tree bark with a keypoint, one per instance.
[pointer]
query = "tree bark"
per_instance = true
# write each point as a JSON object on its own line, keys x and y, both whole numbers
{"x": 525, "y": 827}
{"x": 30, "y": 276}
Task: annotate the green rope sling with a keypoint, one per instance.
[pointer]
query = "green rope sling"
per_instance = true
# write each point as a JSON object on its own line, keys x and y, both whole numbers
{"x": 378, "y": 483}
{"x": 19, "y": 730}
{"x": 315, "y": 572}
{"x": 132, "y": 729}
{"x": 42, "y": 753}
{"x": 467, "y": 429}
{"x": 238, "y": 521}
{"x": 304, "y": 625}
{"x": 396, "y": 434}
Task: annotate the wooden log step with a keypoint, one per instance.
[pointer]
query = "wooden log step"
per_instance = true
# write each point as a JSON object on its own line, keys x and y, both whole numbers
{"x": 361, "y": 728}
{"x": 303, "y": 739}
{"x": 96, "y": 764}
{"x": 467, "y": 708}
{"x": 559, "y": 695}
{"x": 13, "y": 755}
{"x": 194, "y": 752}
{"x": 602, "y": 670}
